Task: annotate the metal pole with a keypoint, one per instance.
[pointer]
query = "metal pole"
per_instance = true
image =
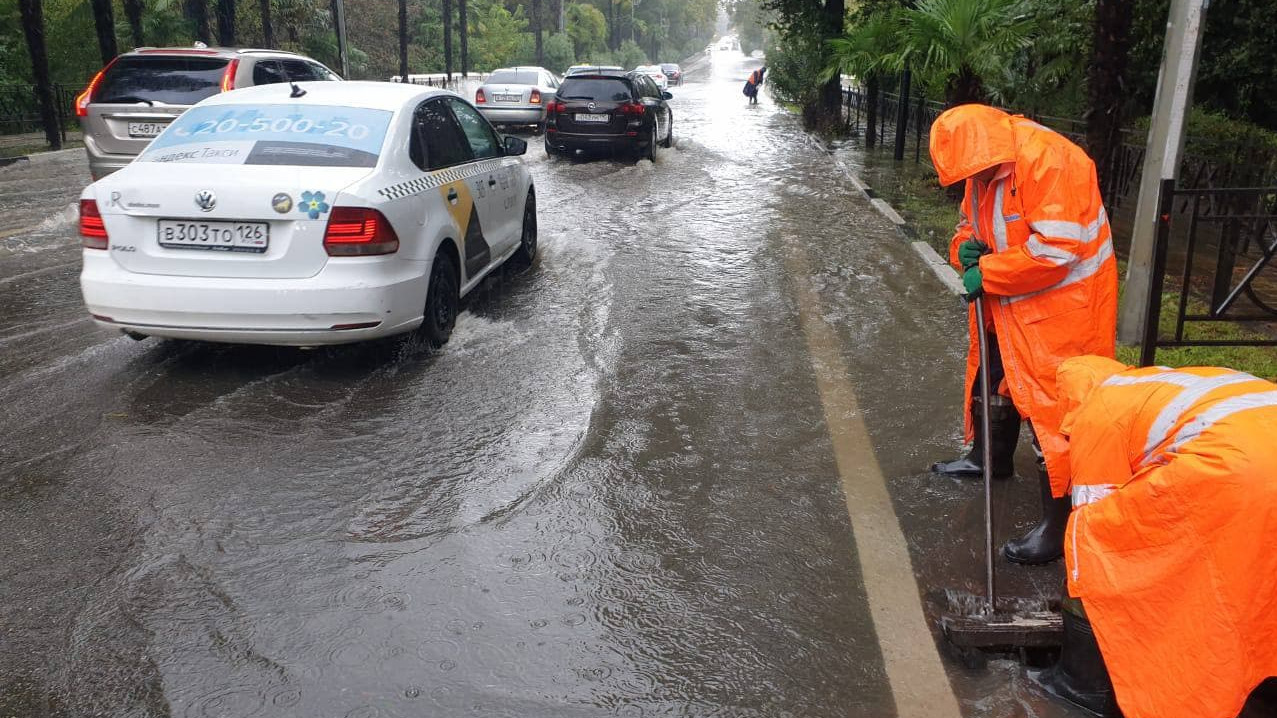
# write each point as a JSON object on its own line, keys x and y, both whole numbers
{"x": 1153, "y": 307}
{"x": 1184, "y": 30}
{"x": 341, "y": 38}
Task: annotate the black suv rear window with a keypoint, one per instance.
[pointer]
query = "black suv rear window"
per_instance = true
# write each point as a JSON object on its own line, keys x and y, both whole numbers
{"x": 595, "y": 88}
{"x": 171, "y": 80}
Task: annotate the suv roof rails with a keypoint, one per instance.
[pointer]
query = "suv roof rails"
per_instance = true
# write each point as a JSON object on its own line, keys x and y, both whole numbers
{"x": 264, "y": 51}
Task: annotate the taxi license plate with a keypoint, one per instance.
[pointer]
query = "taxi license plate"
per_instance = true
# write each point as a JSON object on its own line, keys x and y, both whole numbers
{"x": 507, "y": 98}
{"x": 217, "y": 236}
{"x": 591, "y": 117}
{"x": 146, "y": 129}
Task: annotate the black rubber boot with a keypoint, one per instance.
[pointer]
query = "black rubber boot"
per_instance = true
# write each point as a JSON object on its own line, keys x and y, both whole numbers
{"x": 1080, "y": 676}
{"x": 1004, "y": 424}
{"x": 1043, "y": 543}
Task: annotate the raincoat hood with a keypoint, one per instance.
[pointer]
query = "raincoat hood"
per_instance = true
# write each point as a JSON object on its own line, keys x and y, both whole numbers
{"x": 1077, "y": 379}
{"x": 969, "y": 139}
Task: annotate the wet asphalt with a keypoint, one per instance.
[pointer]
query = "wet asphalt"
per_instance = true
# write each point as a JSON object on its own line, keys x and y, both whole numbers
{"x": 614, "y": 492}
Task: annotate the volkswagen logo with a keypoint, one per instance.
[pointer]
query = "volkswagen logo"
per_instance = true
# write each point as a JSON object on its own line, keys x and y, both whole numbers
{"x": 593, "y": 106}
{"x": 206, "y": 200}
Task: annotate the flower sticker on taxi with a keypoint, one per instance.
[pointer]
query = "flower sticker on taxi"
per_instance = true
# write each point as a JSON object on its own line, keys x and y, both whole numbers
{"x": 313, "y": 204}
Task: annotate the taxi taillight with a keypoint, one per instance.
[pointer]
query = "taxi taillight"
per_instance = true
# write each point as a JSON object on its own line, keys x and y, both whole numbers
{"x": 479, "y": 97}
{"x": 359, "y": 232}
{"x": 92, "y": 228}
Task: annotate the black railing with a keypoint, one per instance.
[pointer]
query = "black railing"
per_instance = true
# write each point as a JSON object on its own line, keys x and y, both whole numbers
{"x": 20, "y": 108}
{"x": 1235, "y": 231}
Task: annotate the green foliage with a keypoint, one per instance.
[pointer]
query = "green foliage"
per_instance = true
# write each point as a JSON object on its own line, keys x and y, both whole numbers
{"x": 959, "y": 45}
{"x": 630, "y": 55}
{"x": 587, "y": 28}
{"x": 559, "y": 53}
{"x": 871, "y": 47}
{"x": 495, "y": 37}
{"x": 750, "y": 21}
{"x": 796, "y": 68}
{"x": 1050, "y": 76}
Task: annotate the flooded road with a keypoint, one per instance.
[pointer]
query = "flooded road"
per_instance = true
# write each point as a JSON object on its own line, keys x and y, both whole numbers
{"x": 675, "y": 468}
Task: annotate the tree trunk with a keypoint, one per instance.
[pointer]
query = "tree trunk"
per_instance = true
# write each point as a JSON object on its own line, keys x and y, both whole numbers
{"x": 268, "y": 28}
{"x": 33, "y": 25}
{"x": 403, "y": 40}
{"x": 830, "y": 111}
{"x": 447, "y": 38}
{"x": 226, "y": 23}
{"x": 536, "y": 29}
{"x": 1105, "y": 84}
{"x": 133, "y": 11}
{"x": 463, "y": 25}
{"x": 965, "y": 88}
{"x": 611, "y": 24}
{"x": 871, "y": 111}
{"x": 197, "y": 13}
{"x": 104, "y": 21}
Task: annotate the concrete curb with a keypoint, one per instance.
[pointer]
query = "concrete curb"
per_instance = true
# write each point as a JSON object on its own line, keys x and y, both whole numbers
{"x": 38, "y": 157}
{"x": 947, "y": 275}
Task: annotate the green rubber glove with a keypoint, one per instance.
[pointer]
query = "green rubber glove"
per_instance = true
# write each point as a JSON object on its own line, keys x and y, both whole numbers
{"x": 973, "y": 282}
{"x": 970, "y": 251}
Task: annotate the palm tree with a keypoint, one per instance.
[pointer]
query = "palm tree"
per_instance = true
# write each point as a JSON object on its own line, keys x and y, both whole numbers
{"x": 867, "y": 52}
{"x": 1106, "y": 91}
{"x": 960, "y": 44}
{"x": 268, "y": 28}
{"x": 32, "y": 12}
{"x": 133, "y": 11}
{"x": 104, "y": 19}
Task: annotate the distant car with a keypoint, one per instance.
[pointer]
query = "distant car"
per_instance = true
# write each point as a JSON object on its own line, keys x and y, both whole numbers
{"x": 139, "y": 93}
{"x": 613, "y": 112}
{"x": 333, "y": 214}
{"x": 654, "y": 72}
{"x": 673, "y": 72}
{"x": 590, "y": 69}
{"x": 516, "y": 95}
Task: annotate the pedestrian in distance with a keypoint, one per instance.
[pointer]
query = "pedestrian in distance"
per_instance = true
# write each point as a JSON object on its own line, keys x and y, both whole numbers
{"x": 1171, "y": 550}
{"x": 1034, "y": 240}
{"x": 754, "y": 82}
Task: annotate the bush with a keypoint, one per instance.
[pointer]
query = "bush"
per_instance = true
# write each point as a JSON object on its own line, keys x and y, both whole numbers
{"x": 794, "y": 68}
{"x": 559, "y": 53}
{"x": 1217, "y": 138}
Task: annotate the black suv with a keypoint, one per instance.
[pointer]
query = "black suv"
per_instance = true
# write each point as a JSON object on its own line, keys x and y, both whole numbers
{"x": 609, "y": 111}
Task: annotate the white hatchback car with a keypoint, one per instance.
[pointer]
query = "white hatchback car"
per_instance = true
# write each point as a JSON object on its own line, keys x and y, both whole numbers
{"x": 317, "y": 213}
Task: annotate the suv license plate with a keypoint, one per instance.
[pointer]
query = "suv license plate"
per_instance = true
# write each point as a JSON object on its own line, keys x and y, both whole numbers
{"x": 588, "y": 117}
{"x": 218, "y": 236}
{"x": 146, "y": 129}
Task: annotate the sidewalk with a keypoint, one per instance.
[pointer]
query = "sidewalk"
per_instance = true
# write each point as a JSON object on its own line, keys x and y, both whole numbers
{"x": 29, "y": 143}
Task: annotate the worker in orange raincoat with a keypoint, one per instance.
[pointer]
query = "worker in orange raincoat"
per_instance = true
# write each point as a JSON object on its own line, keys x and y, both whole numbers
{"x": 1172, "y": 544}
{"x": 1034, "y": 240}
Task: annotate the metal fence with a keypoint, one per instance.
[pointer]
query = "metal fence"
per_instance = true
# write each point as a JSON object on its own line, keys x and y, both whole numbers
{"x": 20, "y": 108}
{"x": 1230, "y": 237}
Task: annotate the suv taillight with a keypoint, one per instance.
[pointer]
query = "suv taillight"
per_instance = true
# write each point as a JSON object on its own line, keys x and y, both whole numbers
{"x": 632, "y": 108}
{"x": 228, "y": 77}
{"x": 84, "y": 98}
{"x": 556, "y": 107}
{"x": 479, "y": 99}
{"x": 535, "y": 97}
{"x": 92, "y": 229}
{"x": 359, "y": 232}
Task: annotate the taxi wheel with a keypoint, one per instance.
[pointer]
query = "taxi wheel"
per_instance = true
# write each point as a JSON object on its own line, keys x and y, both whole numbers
{"x": 527, "y": 250}
{"x": 442, "y": 301}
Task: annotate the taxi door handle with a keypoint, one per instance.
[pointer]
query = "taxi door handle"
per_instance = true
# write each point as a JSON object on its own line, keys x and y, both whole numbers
{"x": 452, "y": 195}
{"x": 492, "y": 182}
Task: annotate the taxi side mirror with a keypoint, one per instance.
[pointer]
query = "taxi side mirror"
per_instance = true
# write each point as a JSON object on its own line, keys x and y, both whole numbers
{"x": 515, "y": 146}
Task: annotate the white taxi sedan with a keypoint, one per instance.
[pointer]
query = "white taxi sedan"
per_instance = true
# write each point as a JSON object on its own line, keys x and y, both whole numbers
{"x": 318, "y": 213}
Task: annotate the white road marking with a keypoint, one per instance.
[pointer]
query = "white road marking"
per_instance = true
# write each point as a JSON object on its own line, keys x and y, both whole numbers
{"x": 918, "y": 681}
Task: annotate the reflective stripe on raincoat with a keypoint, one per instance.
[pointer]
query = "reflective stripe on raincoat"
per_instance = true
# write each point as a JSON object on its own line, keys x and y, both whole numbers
{"x": 1051, "y": 280}
{"x": 1172, "y": 544}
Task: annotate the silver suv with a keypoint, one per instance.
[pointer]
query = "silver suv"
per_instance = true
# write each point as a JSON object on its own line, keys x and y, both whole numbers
{"x": 139, "y": 93}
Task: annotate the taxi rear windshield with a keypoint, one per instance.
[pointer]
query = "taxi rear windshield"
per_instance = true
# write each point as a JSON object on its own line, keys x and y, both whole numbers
{"x": 606, "y": 90}
{"x": 296, "y": 135}
{"x": 155, "y": 80}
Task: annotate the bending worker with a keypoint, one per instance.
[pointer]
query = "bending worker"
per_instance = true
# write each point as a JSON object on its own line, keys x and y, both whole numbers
{"x": 1172, "y": 545}
{"x": 1034, "y": 240}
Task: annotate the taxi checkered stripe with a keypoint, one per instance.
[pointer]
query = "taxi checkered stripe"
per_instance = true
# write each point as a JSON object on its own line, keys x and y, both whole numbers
{"x": 437, "y": 179}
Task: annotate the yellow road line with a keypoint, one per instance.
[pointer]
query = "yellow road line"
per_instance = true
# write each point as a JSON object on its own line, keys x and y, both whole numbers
{"x": 19, "y": 230}
{"x": 918, "y": 681}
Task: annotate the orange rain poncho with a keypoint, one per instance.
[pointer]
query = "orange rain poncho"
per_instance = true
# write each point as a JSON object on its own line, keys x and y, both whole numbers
{"x": 1051, "y": 281}
{"x": 1172, "y": 544}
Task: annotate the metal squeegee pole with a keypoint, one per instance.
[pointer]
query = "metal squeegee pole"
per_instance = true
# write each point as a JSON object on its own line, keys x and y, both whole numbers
{"x": 986, "y": 393}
